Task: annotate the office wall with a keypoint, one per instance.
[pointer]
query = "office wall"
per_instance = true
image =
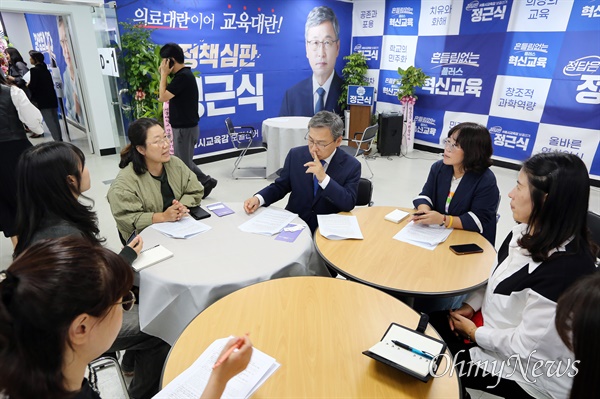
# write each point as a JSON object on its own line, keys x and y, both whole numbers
{"x": 16, "y": 30}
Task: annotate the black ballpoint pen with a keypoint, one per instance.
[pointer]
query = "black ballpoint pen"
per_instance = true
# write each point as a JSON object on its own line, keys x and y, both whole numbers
{"x": 424, "y": 354}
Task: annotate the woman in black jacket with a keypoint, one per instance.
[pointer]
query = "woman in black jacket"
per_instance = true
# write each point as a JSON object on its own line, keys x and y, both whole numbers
{"x": 43, "y": 94}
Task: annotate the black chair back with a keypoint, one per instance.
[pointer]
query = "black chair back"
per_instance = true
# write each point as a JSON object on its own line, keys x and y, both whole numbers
{"x": 365, "y": 192}
{"x": 593, "y": 222}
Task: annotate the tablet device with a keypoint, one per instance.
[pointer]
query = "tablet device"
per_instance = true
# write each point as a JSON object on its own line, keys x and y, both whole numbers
{"x": 465, "y": 249}
{"x": 198, "y": 213}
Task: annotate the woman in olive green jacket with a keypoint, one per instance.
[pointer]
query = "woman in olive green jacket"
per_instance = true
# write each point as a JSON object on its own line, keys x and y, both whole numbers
{"x": 152, "y": 186}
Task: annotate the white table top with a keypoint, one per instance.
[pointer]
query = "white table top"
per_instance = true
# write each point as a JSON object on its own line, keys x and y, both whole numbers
{"x": 213, "y": 264}
{"x": 281, "y": 135}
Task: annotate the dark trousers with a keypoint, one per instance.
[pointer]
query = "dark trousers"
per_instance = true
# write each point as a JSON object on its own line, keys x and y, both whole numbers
{"x": 184, "y": 140}
{"x": 474, "y": 377}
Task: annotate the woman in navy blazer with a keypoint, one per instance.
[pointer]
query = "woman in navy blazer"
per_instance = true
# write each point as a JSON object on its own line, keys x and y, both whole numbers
{"x": 461, "y": 191}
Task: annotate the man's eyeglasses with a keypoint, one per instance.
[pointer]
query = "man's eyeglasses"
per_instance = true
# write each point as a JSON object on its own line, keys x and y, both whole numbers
{"x": 127, "y": 301}
{"x": 161, "y": 142}
{"x": 315, "y": 44}
{"x": 450, "y": 146}
{"x": 312, "y": 143}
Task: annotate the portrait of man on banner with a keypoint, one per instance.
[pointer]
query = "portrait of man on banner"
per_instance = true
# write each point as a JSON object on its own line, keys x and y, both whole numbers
{"x": 321, "y": 91}
{"x": 71, "y": 90}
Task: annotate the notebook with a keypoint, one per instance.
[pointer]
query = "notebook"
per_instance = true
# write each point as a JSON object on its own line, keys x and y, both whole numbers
{"x": 151, "y": 256}
{"x": 403, "y": 359}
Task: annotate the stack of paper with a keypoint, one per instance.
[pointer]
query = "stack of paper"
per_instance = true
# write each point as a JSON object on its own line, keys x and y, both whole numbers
{"x": 191, "y": 383}
{"x": 151, "y": 256}
{"x": 339, "y": 227}
{"x": 184, "y": 228}
{"x": 423, "y": 235}
{"x": 396, "y": 215}
{"x": 268, "y": 222}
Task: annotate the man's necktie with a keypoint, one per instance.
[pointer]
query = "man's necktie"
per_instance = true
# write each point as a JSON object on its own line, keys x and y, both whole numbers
{"x": 320, "y": 102}
{"x": 316, "y": 182}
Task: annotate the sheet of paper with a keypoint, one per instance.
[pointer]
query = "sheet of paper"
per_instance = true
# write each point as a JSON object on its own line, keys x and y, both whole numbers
{"x": 396, "y": 215}
{"x": 151, "y": 256}
{"x": 191, "y": 383}
{"x": 339, "y": 227}
{"x": 424, "y": 236}
{"x": 268, "y": 222}
{"x": 184, "y": 228}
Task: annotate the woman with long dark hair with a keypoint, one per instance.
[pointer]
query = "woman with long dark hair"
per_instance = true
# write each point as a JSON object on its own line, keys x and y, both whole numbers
{"x": 17, "y": 68}
{"x": 15, "y": 109}
{"x": 153, "y": 186}
{"x": 61, "y": 306}
{"x": 52, "y": 178}
{"x": 578, "y": 324}
{"x": 543, "y": 255}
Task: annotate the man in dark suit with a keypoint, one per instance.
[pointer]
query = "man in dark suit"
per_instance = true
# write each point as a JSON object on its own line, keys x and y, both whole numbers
{"x": 321, "y": 179}
{"x": 322, "y": 90}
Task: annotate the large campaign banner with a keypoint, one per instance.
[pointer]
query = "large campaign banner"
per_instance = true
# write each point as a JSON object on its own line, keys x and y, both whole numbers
{"x": 247, "y": 54}
{"x": 529, "y": 70}
{"x": 49, "y": 35}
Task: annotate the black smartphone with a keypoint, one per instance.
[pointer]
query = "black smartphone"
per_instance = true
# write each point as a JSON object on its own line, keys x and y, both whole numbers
{"x": 131, "y": 237}
{"x": 198, "y": 213}
{"x": 418, "y": 214}
{"x": 171, "y": 62}
{"x": 465, "y": 249}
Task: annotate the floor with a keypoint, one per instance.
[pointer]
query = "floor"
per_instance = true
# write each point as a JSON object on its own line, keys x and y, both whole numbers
{"x": 396, "y": 181}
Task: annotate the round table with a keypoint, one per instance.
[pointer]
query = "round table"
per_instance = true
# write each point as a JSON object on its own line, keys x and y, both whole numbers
{"x": 210, "y": 265}
{"x": 281, "y": 135}
{"x": 402, "y": 268}
{"x": 316, "y": 328}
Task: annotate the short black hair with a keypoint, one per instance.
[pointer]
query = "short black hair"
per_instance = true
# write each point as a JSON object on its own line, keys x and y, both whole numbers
{"x": 172, "y": 50}
{"x": 37, "y": 56}
{"x": 474, "y": 139}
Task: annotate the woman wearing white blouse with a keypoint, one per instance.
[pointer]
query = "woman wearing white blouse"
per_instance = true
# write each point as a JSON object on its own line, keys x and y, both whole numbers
{"x": 516, "y": 341}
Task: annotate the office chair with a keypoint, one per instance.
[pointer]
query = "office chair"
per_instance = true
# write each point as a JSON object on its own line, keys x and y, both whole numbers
{"x": 593, "y": 222}
{"x": 365, "y": 192}
{"x": 368, "y": 136}
{"x": 242, "y": 141}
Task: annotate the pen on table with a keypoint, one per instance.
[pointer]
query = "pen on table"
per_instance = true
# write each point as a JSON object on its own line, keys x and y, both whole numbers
{"x": 238, "y": 344}
{"x": 147, "y": 249}
{"x": 424, "y": 354}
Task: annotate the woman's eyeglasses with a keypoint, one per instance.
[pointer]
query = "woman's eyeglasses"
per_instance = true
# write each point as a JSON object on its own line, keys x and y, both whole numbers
{"x": 450, "y": 146}
{"x": 127, "y": 302}
{"x": 161, "y": 142}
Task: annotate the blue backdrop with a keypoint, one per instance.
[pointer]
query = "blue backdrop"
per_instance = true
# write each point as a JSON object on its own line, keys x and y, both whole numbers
{"x": 529, "y": 69}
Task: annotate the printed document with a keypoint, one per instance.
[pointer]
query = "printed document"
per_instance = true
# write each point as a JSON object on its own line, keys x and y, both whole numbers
{"x": 339, "y": 227}
{"x": 268, "y": 222}
{"x": 191, "y": 383}
{"x": 424, "y": 236}
{"x": 185, "y": 228}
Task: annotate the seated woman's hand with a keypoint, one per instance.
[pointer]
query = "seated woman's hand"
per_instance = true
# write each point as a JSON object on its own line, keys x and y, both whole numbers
{"x": 136, "y": 244}
{"x": 175, "y": 212}
{"x": 464, "y": 312}
{"x": 236, "y": 362}
{"x": 428, "y": 217}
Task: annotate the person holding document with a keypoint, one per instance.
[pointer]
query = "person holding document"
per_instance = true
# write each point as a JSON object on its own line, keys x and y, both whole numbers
{"x": 510, "y": 323}
{"x": 51, "y": 180}
{"x": 320, "y": 179}
{"x": 153, "y": 186}
{"x": 61, "y": 306}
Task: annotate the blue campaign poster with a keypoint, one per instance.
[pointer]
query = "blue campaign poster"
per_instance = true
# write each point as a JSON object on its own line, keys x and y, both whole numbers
{"x": 247, "y": 54}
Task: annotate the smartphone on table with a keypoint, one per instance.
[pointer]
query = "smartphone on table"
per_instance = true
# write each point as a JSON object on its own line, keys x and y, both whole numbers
{"x": 464, "y": 249}
{"x": 131, "y": 237}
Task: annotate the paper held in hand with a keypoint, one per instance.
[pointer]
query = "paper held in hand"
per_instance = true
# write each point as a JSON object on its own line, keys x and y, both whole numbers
{"x": 191, "y": 383}
{"x": 339, "y": 227}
